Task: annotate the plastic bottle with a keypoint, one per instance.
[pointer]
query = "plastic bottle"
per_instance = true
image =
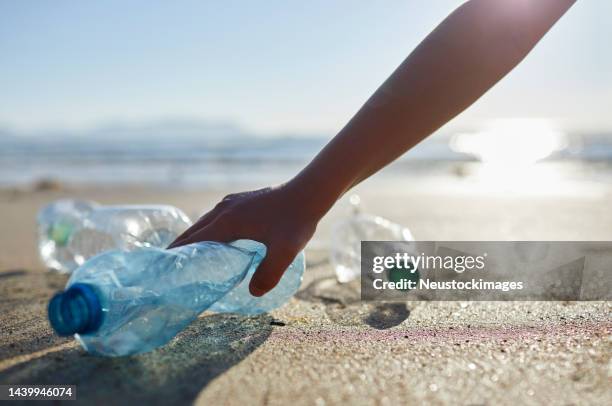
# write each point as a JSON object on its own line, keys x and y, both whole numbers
{"x": 71, "y": 231}
{"x": 121, "y": 303}
{"x": 347, "y": 235}
{"x": 239, "y": 300}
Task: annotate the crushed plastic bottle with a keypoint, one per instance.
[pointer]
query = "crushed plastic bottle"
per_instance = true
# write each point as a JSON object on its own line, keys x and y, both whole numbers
{"x": 345, "y": 252}
{"x": 240, "y": 300}
{"x": 71, "y": 231}
{"x": 122, "y": 302}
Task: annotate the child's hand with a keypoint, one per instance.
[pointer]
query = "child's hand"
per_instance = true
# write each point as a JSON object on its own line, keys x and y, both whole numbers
{"x": 276, "y": 217}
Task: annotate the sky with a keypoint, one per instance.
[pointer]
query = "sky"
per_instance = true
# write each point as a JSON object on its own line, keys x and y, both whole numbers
{"x": 272, "y": 67}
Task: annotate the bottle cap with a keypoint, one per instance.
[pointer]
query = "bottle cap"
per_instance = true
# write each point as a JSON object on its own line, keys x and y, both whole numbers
{"x": 60, "y": 232}
{"x": 77, "y": 310}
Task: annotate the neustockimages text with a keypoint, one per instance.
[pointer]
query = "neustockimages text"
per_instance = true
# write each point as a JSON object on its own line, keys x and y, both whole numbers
{"x": 413, "y": 263}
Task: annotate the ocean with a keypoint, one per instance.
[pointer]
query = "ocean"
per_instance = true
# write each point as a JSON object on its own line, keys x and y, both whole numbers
{"x": 234, "y": 161}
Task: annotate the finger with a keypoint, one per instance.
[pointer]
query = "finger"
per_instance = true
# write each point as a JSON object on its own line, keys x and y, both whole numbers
{"x": 180, "y": 240}
{"x": 270, "y": 271}
{"x": 216, "y": 231}
{"x": 203, "y": 221}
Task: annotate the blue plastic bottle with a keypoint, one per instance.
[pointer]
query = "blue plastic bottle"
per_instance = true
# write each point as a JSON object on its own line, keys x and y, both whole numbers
{"x": 122, "y": 303}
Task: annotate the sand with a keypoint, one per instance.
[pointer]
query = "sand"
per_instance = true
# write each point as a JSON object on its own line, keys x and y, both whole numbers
{"x": 325, "y": 346}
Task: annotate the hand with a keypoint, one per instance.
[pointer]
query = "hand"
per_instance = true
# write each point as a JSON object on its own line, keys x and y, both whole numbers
{"x": 277, "y": 217}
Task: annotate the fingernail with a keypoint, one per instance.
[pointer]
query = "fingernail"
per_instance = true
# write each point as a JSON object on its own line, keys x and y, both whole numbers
{"x": 255, "y": 291}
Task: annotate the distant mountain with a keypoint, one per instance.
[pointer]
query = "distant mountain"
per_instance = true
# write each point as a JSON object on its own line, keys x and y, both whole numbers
{"x": 175, "y": 128}
{"x": 162, "y": 129}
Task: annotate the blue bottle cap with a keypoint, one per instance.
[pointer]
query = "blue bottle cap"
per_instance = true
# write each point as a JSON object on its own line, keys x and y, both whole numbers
{"x": 75, "y": 311}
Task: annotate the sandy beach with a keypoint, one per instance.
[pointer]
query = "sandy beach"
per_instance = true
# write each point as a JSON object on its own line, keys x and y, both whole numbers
{"x": 467, "y": 123}
{"x": 326, "y": 346}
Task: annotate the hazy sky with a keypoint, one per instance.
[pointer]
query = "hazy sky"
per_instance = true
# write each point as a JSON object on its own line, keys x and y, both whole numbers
{"x": 271, "y": 66}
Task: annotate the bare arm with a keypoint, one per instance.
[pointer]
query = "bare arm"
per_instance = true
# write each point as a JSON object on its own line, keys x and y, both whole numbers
{"x": 470, "y": 51}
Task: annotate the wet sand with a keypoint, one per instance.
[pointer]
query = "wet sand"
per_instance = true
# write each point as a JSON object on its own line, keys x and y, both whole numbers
{"x": 325, "y": 346}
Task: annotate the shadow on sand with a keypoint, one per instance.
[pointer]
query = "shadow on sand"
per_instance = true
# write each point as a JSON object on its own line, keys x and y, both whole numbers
{"x": 175, "y": 373}
{"x": 343, "y": 304}
{"x": 11, "y": 273}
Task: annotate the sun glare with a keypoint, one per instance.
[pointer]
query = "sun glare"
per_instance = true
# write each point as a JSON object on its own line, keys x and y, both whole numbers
{"x": 511, "y": 142}
{"x": 509, "y": 150}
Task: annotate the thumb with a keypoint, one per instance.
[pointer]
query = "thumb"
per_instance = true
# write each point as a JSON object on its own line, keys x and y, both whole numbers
{"x": 270, "y": 271}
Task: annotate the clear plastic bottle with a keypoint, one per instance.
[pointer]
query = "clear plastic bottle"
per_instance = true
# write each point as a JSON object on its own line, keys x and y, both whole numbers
{"x": 347, "y": 235}
{"x": 56, "y": 223}
{"x": 240, "y": 300}
{"x": 121, "y": 303}
{"x": 71, "y": 231}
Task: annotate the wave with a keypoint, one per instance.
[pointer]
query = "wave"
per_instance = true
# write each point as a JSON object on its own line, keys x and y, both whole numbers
{"x": 212, "y": 161}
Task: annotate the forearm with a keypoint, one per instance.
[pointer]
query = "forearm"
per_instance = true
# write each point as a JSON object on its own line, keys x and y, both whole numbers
{"x": 470, "y": 51}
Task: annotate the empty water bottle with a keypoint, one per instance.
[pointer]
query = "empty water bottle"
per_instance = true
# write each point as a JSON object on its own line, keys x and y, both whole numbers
{"x": 122, "y": 303}
{"x": 347, "y": 235}
{"x": 56, "y": 224}
{"x": 239, "y": 300}
{"x": 71, "y": 231}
